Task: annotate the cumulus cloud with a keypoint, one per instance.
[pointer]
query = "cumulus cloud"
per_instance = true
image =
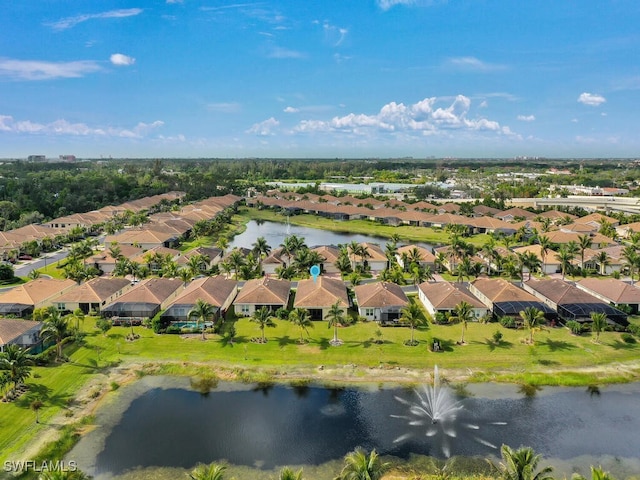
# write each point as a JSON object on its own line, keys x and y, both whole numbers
{"x": 63, "y": 127}
{"x": 264, "y": 128}
{"x": 70, "y": 22}
{"x": 424, "y": 118}
{"x": 387, "y": 4}
{"x": 526, "y": 118}
{"x": 122, "y": 60}
{"x": 473, "y": 64}
{"x": 591, "y": 99}
{"x": 42, "y": 70}
{"x": 291, "y": 110}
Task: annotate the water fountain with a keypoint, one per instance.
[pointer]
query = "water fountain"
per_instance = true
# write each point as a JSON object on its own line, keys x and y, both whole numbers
{"x": 437, "y": 409}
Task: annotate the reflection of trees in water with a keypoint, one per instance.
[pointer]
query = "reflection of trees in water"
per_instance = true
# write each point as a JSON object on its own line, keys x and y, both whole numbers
{"x": 529, "y": 390}
{"x": 204, "y": 385}
{"x": 593, "y": 390}
{"x": 264, "y": 387}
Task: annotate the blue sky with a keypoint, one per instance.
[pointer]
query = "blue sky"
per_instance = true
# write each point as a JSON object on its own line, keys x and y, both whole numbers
{"x": 330, "y": 78}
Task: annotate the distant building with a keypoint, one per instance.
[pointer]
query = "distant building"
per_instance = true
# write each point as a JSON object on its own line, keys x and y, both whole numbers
{"x": 67, "y": 158}
{"x": 36, "y": 158}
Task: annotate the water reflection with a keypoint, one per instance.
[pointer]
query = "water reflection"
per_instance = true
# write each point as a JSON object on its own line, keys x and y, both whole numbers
{"x": 268, "y": 426}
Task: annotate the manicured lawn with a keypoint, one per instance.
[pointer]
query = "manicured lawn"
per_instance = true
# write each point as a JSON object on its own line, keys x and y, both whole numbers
{"x": 367, "y": 227}
{"x": 511, "y": 360}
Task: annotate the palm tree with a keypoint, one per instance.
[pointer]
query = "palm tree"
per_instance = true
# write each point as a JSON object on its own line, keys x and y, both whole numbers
{"x": 533, "y": 319}
{"x": 222, "y": 243}
{"x": 521, "y": 464}
{"x": 287, "y": 474}
{"x": 565, "y": 255}
{"x": 55, "y": 329}
{"x": 597, "y": 473}
{"x": 602, "y": 259}
{"x": 531, "y": 262}
{"x": 212, "y": 471}
{"x": 631, "y": 258}
{"x": 355, "y": 278}
{"x": 235, "y": 261}
{"x": 584, "y": 242}
{"x": 335, "y": 317}
{"x": 16, "y": 362}
{"x": 358, "y": 465}
{"x": 413, "y": 316}
{"x": 300, "y": 318}
{"x": 261, "y": 247}
{"x": 202, "y": 311}
{"x": 262, "y": 317}
{"x": 36, "y": 405}
{"x": 463, "y": 313}
{"x": 599, "y": 323}
{"x": 545, "y": 246}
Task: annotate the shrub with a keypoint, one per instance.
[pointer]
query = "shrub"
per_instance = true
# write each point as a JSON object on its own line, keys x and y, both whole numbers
{"x": 627, "y": 338}
{"x": 46, "y": 357}
{"x": 497, "y": 336}
{"x": 634, "y": 329}
{"x": 115, "y": 386}
{"x": 508, "y": 322}
{"x": 159, "y": 324}
{"x": 282, "y": 314}
{"x": 574, "y": 327}
{"x": 442, "y": 318}
{"x": 172, "y": 329}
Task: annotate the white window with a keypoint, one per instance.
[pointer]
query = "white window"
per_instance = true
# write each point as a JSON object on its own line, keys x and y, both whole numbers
{"x": 368, "y": 312}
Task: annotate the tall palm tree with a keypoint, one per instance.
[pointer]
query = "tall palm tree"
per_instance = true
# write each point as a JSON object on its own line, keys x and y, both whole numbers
{"x": 335, "y": 317}
{"x": 565, "y": 255}
{"x": 287, "y": 474}
{"x": 463, "y": 313}
{"x": 597, "y": 473}
{"x": 55, "y": 328}
{"x": 261, "y": 247}
{"x": 631, "y": 258}
{"x": 300, "y": 318}
{"x": 531, "y": 262}
{"x": 545, "y": 246}
{"x": 212, "y": 471}
{"x": 360, "y": 465}
{"x": 521, "y": 464}
{"x": 603, "y": 261}
{"x": 235, "y": 261}
{"x": 16, "y": 362}
{"x": 584, "y": 242}
{"x": 202, "y": 312}
{"x": 533, "y": 318}
{"x": 598, "y": 323}
{"x": 262, "y": 317}
{"x": 391, "y": 250}
{"x": 413, "y": 316}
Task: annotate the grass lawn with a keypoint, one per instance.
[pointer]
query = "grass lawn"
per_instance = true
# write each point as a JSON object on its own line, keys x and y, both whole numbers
{"x": 406, "y": 233}
{"x": 511, "y": 360}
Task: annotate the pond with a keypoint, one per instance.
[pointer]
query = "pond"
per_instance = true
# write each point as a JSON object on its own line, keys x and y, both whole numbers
{"x": 275, "y": 233}
{"x": 161, "y": 424}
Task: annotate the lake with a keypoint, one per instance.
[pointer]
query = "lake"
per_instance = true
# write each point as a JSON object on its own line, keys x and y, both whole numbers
{"x": 159, "y": 424}
{"x": 275, "y": 233}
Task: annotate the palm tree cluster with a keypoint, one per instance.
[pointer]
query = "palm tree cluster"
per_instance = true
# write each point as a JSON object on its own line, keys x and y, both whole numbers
{"x": 15, "y": 368}
{"x": 412, "y": 266}
{"x": 298, "y": 258}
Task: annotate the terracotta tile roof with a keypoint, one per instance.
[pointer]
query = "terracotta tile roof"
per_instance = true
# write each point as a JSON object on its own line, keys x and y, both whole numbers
{"x": 425, "y": 254}
{"x": 447, "y": 295}
{"x": 214, "y": 290}
{"x": 491, "y": 223}
{"x": 11, "y": 329}
{"x": 616, "y": 291}
{"x": 36, "y": 291}
{"x": 329, "y": 252}
{"x": 516, "y": 212}
{"x": 484, "y": 210}
{"x": 598, "y": 218}
{"x": 500, "y": 290}
{"x": 380, "y": 294}
{"x": 560, "y": 292}
{"x": 557, "y": 215}
{"x": 95, "y": 290}
{"x": 550, "y": 259}
{"x": 264, "y": 291}
{"x": 322, "y": 292}
{"x": 422, "y": 205}
{"x": 448, "y": 207}
{"x": 375, "y": 252}
{"x": 151, "y": 290}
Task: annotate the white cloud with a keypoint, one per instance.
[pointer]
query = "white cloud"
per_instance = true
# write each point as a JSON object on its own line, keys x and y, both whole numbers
{"x": 279, "y": 52}
{"x": 64, "y": 127}
{"x": 41, "y": 70}
{"x": 122, "y": 60}
{"x": 423, "y": 117}
{"x": 175, "y": 1}
{"x": 224, "y": 107}
{"x": 291, "y": 110}
{"x": 70, "y": 22}
{"x": 387, "y": 4}
{"x": 526, "y": 118}
{"x": 333, "y": 34}
{"x": 473, "y": 64}
{"x": 591, "y": 99}
{"x": 264, "y": 128}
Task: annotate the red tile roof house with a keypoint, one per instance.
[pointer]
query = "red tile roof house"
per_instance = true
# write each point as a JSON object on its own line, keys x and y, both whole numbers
{"x": 23, "y": 333}
{"x": 612, "y": 291}
{"x": 262, "y": 292}
{"x": 443, "y": 297}
{"x": 381, "y": 301}
{"x": 143, "y": 301}
{"x": 217, "y": 291}
{"x": 22, "y": 300}
{"x": 376, "y": 260}
{"x": 427, "y": 259}
{"x": 92, "y": 295}
{"x": 330, "y": 255}
{"x": 319, "y": 295}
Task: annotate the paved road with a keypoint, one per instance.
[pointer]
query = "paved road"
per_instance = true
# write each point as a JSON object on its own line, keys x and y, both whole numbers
{"x": 25, "y": 268}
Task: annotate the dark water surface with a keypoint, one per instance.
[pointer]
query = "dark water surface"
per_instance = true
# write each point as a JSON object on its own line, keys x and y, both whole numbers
{"x": 165, "y": 424}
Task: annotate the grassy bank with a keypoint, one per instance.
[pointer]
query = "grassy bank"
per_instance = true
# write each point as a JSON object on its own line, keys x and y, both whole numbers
{"x": 406, "y": 233}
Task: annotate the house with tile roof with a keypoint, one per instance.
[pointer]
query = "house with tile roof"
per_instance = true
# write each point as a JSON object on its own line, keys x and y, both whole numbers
{"x": 613, "y": 291}
{"x": 330, "y": 255}
{"x": 548, "y": 262}
{"x": 426, "y": 258}
{"x": 571, "y": 302}
{"x": 23, "y": 333}
{"x": 376, "y": 260}
{"x": 217, "y": 291}
{"x": 443, "y": 297}
{"x": 262, "y": 292}
{"x": 319, "y": 295}
{"x": 92, "y": 295}
{"x": 514, "y": 213}
{"x": 381, "y": 301}
{"x": 144, "y": 300}
{"x": 22, "y": 300}
{"x": 504, "y": 299}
